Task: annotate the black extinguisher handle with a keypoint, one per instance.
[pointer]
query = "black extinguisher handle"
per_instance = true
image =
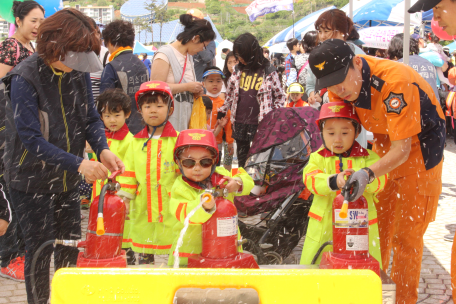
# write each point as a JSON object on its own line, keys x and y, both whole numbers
{"x": 350, "y": 190}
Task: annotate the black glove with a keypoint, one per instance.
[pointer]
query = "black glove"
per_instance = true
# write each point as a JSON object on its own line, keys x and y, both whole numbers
{"x": 356, "y": 184}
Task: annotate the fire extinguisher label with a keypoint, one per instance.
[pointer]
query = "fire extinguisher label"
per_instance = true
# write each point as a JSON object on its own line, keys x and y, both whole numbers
{"x": 356, "y": 218}
{"x": 227, "y": 226}
{"x": 357, "y": 242}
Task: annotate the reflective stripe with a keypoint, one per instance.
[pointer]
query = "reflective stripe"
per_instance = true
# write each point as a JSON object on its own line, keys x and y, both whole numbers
{"x": 152, "y": 246}
{"x": 179, "y": 210}
{"x": 128, "y": 174}
{"x": 23, "y": 157}
{"x": 379, "y": 184}
{"x": 105, "y": 234}
{"x": 337, "y": 166}
{"x": 128, "y": 186}
{"x": 349, "y": 164}
{"x": 312, "y": 174}
{"x": 185, "y": 255}
{"x": 159, "y": 194}
{"x": 373, "y": 221}
{"x": 315, "y": 216}
{"x": 126, "y": 240}
{"x": 149, "y": 190}
{"x": 66, "y": 128}
{"x": 109, "y": 143}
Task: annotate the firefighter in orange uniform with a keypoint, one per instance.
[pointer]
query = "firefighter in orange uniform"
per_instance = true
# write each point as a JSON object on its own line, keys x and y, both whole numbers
{"x": 444, "y": 12}
{"x": 396, "y": 104}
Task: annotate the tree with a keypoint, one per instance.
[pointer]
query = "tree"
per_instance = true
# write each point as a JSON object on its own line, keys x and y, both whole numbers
{"x": 141, "y": 25}
{"x": 102, "y": 3}
{"x": 158, "y": 14}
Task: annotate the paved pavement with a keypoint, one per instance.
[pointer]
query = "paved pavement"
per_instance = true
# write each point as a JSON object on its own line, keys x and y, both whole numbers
{"x": 435, "y": 285}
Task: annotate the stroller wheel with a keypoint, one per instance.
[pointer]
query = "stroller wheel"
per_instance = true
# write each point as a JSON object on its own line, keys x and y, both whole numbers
{"x": 273, "y": 258}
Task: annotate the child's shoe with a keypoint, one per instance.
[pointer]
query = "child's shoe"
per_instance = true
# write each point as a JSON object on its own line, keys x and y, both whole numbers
{"x": 131, "y": 259}
{"x": 145, "y": 258}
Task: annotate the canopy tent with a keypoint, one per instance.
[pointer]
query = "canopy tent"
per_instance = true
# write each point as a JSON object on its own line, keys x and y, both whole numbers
{"x": 384, "y": 13}
{"x": 279, "y": 48}
{"x": 379, "y": 36}
{"x": 225, "y": 44}
{"x": 169, "y": 32}
{"x": 140, "y": 49}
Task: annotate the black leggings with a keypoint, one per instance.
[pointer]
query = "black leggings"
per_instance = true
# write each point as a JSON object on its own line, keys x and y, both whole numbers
{"x": 46, "y": 217}
{"x": 243, "y": 148}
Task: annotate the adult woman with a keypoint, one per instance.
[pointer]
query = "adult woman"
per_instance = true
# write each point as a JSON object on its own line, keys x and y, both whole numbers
{"x": 28, "y": 16}
{"x": 54, "y": 115}
{"x": 333, "y": 24}
{"x": 124, "y": 70}
{"x": 253, "y": 91}
{"x": 173, "y": 64}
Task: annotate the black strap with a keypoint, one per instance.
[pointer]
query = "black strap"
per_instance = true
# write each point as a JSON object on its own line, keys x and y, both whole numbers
{"x": 105, "y": 58}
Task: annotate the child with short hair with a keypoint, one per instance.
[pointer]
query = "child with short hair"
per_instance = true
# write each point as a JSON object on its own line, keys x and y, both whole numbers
{"x": 296, "y": 92}
{"x": 114, "y": 107}
{"x": 213, "y": 83}
{"x": 196, "y": 154}
{"x": 325, "y": 173}
{"x": 149, "y": 158}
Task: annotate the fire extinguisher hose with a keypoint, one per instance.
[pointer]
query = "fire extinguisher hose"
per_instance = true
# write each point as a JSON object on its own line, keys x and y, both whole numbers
{"x": 319, "y": 251}
{"x": 100, "y": 222}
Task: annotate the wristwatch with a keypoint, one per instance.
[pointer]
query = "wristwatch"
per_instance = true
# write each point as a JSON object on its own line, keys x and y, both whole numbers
{"x": 371, "y": 174}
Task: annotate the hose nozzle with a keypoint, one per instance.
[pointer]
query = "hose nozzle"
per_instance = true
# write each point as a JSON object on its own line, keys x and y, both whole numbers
{"x": 100, "y": 225}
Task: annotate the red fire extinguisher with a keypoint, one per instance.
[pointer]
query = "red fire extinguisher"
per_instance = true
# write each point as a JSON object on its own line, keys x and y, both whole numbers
{"x": 103, "y": 242}
{"x": 350, "y": 235}
{"x": 220, "y": 237}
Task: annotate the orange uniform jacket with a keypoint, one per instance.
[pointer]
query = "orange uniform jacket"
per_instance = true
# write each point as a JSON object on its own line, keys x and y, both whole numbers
{"x": 396, "y": 103}
{"x": 217, "y": 102}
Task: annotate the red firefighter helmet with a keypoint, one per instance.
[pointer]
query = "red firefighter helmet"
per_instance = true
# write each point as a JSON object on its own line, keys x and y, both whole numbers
{"x": 338, "y": 109}
{"x": 154, "y": 86}
{"x": 196, "y": 138}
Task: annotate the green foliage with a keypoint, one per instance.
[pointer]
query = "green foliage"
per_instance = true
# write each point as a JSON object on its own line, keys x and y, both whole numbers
{"x": 213, "y": 7}
{"x": 102, "y": 3}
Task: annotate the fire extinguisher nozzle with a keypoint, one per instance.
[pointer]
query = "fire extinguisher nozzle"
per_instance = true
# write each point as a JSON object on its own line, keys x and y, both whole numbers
{"x": 344, "y": 210}
{"x": 100, "y": 226}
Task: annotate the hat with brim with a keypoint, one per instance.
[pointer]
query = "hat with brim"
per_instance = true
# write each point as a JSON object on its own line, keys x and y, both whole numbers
{"x": 213, "y": 72}
{"x": 332, "y": 79}
{"x": 87, "y": 62}
{"x": 423, "y": 6}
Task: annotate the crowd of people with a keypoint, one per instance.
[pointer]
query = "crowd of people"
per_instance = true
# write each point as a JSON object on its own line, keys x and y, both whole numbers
{"x": 82, "y": 105}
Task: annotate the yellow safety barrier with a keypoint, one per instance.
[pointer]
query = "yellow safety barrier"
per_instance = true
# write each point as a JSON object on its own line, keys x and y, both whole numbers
{"x": 96, "y": 285}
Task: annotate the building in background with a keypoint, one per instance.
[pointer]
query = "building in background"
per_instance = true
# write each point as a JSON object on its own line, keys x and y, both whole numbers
{"x": 3, "y": 29}
{"x": 101, "y": 14}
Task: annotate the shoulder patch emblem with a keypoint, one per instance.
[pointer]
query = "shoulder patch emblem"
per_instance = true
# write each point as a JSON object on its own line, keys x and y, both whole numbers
{"x": 377, "y": 83}
{"x": 395, "y": 103}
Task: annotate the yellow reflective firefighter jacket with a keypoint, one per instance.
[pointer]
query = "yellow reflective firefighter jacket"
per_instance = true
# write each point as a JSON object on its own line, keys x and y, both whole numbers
{"x": 185, "y": 196}
{"x": 149, "y": 188}
{"x": 118, "y": 143}
{"x": 322, "y": 165}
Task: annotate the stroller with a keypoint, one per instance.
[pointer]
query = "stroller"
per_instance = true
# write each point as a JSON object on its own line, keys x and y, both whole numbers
{"x": 282, "y": 147}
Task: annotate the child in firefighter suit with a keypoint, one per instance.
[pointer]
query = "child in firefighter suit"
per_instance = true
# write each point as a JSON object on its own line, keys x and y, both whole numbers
{"x": 197, "y": 154}
{"x": 149, "y": 159}
{"x": 324, "y": 177}
{"x": 114, "y": 107}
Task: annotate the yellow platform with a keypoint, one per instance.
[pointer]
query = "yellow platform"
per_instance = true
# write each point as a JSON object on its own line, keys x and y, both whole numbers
{"x": 84, "y": 285}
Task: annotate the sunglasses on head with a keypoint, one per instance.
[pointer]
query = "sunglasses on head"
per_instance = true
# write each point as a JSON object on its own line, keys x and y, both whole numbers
{"x": 190, "y": 163}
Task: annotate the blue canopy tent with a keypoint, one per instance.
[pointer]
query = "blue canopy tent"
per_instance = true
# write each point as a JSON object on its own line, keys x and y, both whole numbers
{"x": 451, "y": 47}
{"x": 169, "y": 32}
{"x": 140, "y": 49}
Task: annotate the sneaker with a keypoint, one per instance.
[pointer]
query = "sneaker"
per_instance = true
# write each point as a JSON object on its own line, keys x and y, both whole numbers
{"x": 145, "y": 258}
{"x": 15, "y": 270}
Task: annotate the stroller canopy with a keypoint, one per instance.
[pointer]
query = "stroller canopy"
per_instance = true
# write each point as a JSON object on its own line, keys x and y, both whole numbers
{"x": 281, "y": 125}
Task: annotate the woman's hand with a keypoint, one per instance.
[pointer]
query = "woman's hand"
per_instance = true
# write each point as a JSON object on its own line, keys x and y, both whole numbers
{"x": 311, "y": 100}
{"x": 3, "y": 227}
{"x": 195, "y": 88}
{"x": 93, "y": 170}
{"x": 111, "y": 161}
